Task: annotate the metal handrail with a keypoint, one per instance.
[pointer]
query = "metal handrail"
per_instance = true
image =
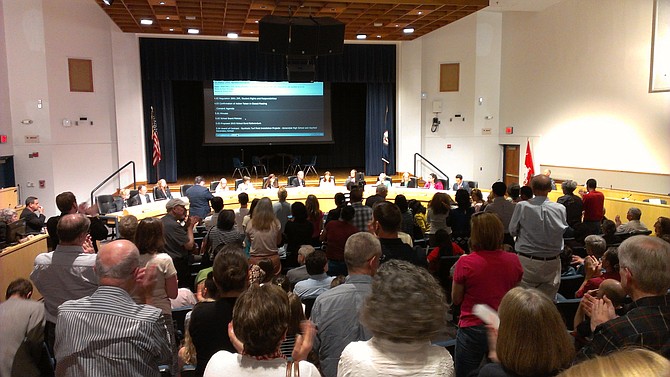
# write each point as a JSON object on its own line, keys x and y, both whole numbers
{"x": 112, "y": 176}
{"x": 429, "y": 163}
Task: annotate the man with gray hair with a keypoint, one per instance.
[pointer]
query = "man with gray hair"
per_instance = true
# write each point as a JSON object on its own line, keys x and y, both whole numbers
{"x": 67, "y": 272}
{"x": 633, "y": 225}
{"x": 572, "y": 203}
{"x": 644, "y": 265}
{"x": 539, "y": 225}
{"x": 107, "y": 333}
{"x": 335, "y": 312}
{"x": 300, "y": 273}
{"x": 379, "y": 196}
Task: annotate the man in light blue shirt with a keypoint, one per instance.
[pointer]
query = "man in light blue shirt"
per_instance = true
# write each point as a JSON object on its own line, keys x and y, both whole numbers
{"x": 538, "y": 225}
{"x": 335, "y": 312}
{"x": 316, "y": 264}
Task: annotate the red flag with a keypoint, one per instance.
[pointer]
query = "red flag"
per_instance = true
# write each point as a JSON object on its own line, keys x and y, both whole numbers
{"x": 529, "y": 169}
{"x": 156, "y": 158}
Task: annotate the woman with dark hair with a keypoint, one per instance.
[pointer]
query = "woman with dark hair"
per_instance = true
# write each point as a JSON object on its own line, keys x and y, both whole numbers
{"x": 222, "y": 234}
{"x": 315, "y": 216}
{"x": 260, "y": 322}
{"x": 405, "y": 309}
{"x": 264, "y": 233}
{"x": 482, "y": 277}
{"x": 407, "y": 225}
{"x": 271, "y": 182}
{"x": 477, "y": 199}
{"x": 608, "y": 228}
{"x": 298, "y": 232}
{"x": 437, "y": 214}
{"x": 421, "y": 226}
{"x": 149, "y": 241}
{"x": 531, "y": 340}
{"x": 209, "y": 320}
{"x": 662, "y": 228}
{"x": 444, "y": 247}
{"x": 459, "y": 219}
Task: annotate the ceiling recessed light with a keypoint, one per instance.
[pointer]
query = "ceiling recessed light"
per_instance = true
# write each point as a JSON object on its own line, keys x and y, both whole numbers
{"x": 171, "y": 29}
{"x": 232, "y": 35}
{"x": 378, "y": 24}
{"x": 193, "y": 31}
{"x": 379, "y": 36}
{"x": 161, "y": 3}
{"x": 108, "y": 2}
{"x": 408, "y": 30}
{"x": 146, "y": 21}
{"x": 167, "y": 18}
{"x": 190, "y": 18}
{"x": 256, "y": 21}
{"x": 361, "y": 36}
{"x": 420, "y": 13}
{"x": 396, "y": 25}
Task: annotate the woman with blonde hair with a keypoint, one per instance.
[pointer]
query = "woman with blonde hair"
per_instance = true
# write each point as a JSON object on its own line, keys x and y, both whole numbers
{"x": 632, "y": 362}
{"x": 531, "y": 341}
{"x": 405, "y": 309}
{"x": 162, "y": 191}
{"x": 264, "y": 233}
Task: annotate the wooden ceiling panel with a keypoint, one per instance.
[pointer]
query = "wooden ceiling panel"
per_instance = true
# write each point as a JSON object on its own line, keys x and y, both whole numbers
{"x": 218, "y": 17}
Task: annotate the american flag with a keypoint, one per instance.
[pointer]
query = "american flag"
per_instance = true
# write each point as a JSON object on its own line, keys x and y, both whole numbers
{"x": 154, "y": 136}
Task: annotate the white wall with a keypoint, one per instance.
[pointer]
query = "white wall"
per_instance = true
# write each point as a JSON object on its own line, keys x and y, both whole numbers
{"x": 70, "y": 158}
{"x": 575, "y": 79}
{"x": 5, "y": 117}
{"x": 409, "y": 124}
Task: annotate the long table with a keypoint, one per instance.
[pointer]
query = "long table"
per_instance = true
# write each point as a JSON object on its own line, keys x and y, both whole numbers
{"x": 17, "y": 261}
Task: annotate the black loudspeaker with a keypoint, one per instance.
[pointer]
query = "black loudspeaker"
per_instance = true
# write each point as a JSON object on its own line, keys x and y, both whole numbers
{"x": 300, "y": 72}
{"x": 300, "y": 36}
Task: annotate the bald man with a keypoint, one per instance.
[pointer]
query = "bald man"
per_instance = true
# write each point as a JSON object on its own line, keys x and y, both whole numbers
{"x": 107, "y": 333}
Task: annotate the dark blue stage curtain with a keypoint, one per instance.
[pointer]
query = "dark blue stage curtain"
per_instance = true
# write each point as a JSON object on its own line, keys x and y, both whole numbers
{"x": 167, "y": 60}
{"x": 380, "y": 116}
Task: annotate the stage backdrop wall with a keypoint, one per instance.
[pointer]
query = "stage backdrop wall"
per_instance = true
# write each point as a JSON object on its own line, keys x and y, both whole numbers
{"x": 166, "y": 61}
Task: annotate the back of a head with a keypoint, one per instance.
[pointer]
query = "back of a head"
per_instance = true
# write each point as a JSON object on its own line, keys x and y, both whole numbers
{"x": 243, "y": 198}
{"x": 591, "y": 183}
{"x": 401, "y": 202}
{"x": 7, "y": 214}
{"x": 540, "y": 184}
{"x": 70, "y": 227}
{"x": 299, "y": 212}
{"x": 117, "y": 261}
{"x": 297, "y": 313}
{"x": 199, "y": 179}
{"x": 635, "y": 213}
{"x": 613, "y": 290}
{"x": 263, "y": 215}
{"x": 463, "y": 198}
{"x": 381, "y": 190}
{"x": 149, "y": 235}
{"x": 339, "y": 199}
{"x": 608, "y": 227}
{"x": 260, "y": 319}
{"x": 630, "y": 362}
{"x": 347, "y": 213}
{"x": 359, "y": 249}
{"x": 406, "y": 304}
{"x": 65, "y": 201}
{"x": 595, "y": 244}
{"x": 305, "y": 250}
{"x": 315, "y": 263}
{"x": 487, "y": 232}
{"x": 513, "y": 190}
{"x": 22, "y": 287}
{"x": 127, "y": 227}
{"x": 648, "y": 259}
{"x": 388, "y": 215}
{"x": 282, "y": 194}
{"x": 230, "y": 271}
{"x": 439, "y": 203}
{"x": 532, "y": 340}
{"x": 356, "y": 195}
{"x": 568, "y": 186}
{"x": 217, "y": 204}
{"x": 526, "y": 192}
{"x": 226, "y": 219}
{"x": 662, "y": 226}
{"x": 499, "y": 188}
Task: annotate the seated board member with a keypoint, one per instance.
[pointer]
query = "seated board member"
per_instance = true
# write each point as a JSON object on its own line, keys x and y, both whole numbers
{"x": 142, "y": 197}
{"x": 299, "y": 181}
{"x": 162, "y": 191}
{"x": 461, "y": 184}
{"x": 34, "y": 215}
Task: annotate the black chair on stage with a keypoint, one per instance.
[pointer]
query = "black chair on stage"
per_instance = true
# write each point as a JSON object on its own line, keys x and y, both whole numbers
{"x": 445, "y": 183}
{"x": 183, "y": 188}
{"x": 289, "y": 180}
{"x": 256, "y": 163}
{"x": 238, "y": 182}
{"x": 413, "y": 182}
{"x": 294, "y": 166}
{"x": 105, "y": 204}
{"x": 310, "y": 166}
{"x": 473, "y": 184}
{"x": 239, "y": 167}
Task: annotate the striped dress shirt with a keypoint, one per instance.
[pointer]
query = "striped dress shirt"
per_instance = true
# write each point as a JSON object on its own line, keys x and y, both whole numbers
{"x": 107, "y": 334}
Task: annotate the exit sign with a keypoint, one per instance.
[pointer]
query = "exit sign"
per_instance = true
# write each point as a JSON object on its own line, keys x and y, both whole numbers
{"x": 509, "y": 130}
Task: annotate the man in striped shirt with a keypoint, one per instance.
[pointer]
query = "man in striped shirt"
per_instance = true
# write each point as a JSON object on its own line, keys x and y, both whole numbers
{"x": 106, "y": 333}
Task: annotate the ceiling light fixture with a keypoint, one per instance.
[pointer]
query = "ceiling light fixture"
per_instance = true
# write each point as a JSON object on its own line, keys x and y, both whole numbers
{"x": 232, "y": 35}
{"x": 171, "y": 29}
{"x": 378, "y": 24}
{"x": 193, "y": 31}
{"x": 146, "y": 21}
{"x": 408, "y": 30}
{"x": 108, "y": 2}
{"x": 161, "y": 3}
{"x": 379, "y": 36}
{"x": 361, "y": 36}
